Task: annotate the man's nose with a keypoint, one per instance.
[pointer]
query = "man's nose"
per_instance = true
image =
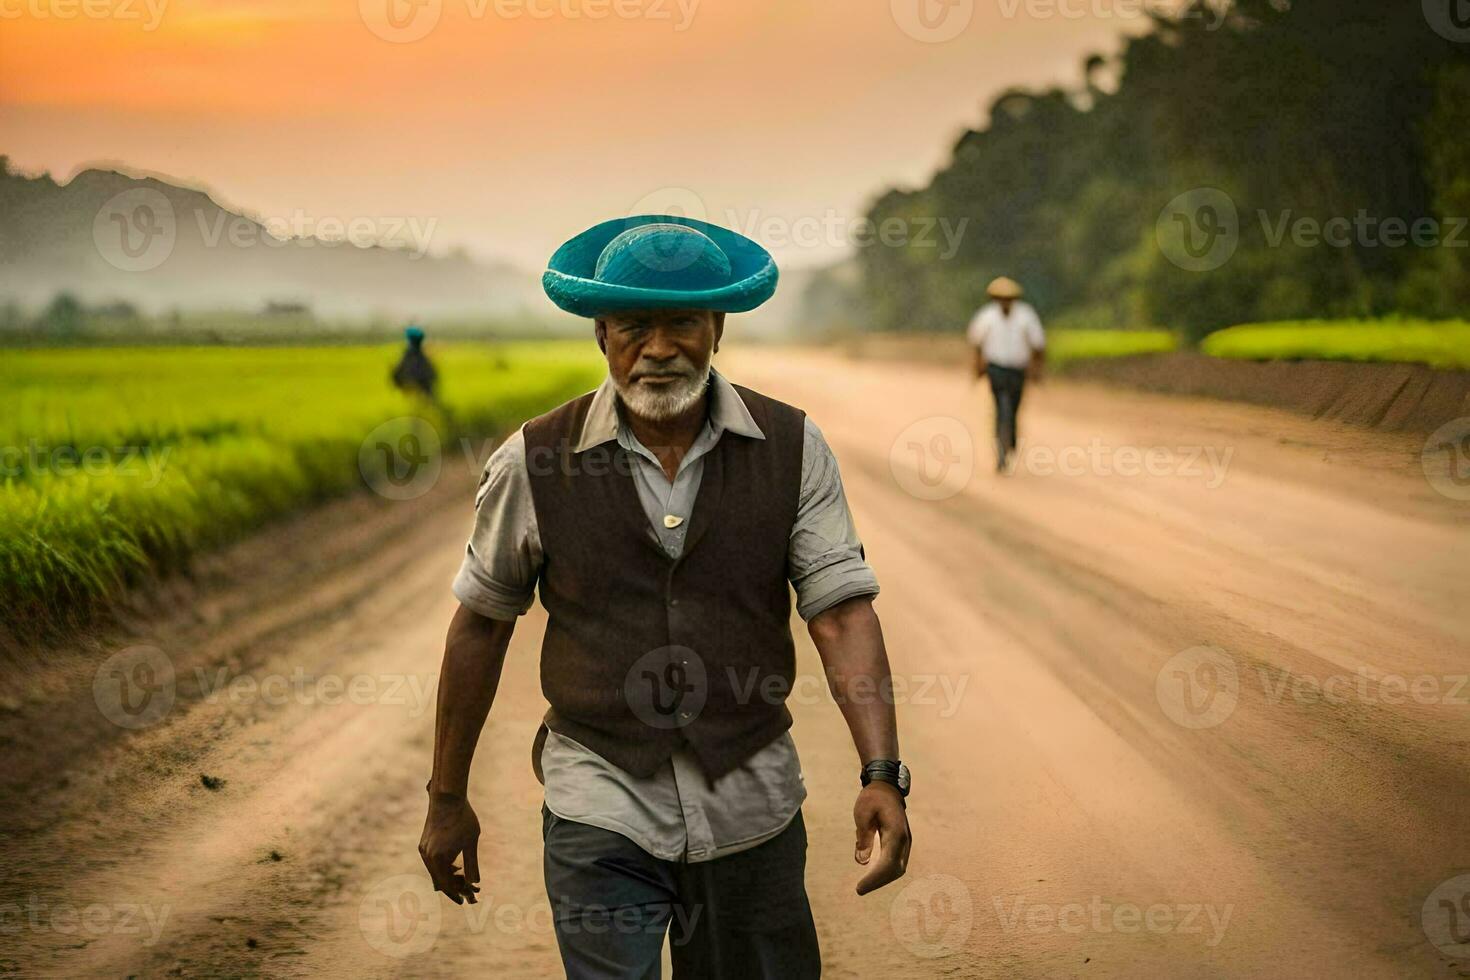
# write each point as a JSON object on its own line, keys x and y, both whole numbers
{"x": 660, "y": 345}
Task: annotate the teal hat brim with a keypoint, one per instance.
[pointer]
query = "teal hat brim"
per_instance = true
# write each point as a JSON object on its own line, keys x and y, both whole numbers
{"x": 570, "y": 279}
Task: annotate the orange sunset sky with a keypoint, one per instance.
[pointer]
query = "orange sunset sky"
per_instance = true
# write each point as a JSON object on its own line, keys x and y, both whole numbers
{"x": 512, "y": 124}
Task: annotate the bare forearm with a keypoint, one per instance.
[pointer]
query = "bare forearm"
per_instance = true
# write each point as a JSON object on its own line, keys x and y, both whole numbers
{"x": 849, "y": 639}
{"x": 474, "y": 654}
{"x": 979, "y": 364}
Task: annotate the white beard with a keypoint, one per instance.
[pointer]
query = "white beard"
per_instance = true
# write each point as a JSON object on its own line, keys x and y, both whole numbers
{"x": 666, "y": 401}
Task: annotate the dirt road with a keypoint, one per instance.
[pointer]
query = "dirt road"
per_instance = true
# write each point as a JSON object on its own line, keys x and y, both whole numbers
{"x": 1184, "y": 696}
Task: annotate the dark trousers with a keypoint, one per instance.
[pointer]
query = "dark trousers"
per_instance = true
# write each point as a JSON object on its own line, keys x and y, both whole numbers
{"x": 741, "y": 916}
{"x": 1006, "y": 385}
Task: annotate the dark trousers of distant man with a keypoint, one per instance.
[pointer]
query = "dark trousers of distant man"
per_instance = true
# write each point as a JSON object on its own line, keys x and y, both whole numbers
{"x": 740, "y": 917}
{"x": 1006, "y": 385}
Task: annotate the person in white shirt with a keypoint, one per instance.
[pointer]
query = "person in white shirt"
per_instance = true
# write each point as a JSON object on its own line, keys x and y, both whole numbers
{"x": 1010, "y": 347}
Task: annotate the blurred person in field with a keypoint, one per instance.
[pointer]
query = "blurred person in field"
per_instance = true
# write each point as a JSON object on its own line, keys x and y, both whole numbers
{"x": 665, "y": 518}
{"x": 415, "y": 372}
{"x": 1010, "y": 348}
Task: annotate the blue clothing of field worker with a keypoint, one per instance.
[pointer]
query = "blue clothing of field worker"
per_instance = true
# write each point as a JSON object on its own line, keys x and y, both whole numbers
{"x": 415, "y": 373}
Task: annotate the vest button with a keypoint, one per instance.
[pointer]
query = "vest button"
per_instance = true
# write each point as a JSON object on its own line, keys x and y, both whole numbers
{"x": 673, "y": 601}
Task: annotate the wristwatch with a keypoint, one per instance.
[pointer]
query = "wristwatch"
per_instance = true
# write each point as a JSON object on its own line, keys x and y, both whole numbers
{"x": 890, "y": 771}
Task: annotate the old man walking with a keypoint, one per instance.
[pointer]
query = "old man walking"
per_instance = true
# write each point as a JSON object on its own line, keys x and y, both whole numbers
{"x": 662, "y": 517}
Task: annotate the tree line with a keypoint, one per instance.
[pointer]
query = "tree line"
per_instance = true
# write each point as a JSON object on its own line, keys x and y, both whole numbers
{"x": 1269, "y": 160}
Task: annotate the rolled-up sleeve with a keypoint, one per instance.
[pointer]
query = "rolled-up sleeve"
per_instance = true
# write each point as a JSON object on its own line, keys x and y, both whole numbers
{"x": 503, "y": 558}
{"x": 825, "y": 560}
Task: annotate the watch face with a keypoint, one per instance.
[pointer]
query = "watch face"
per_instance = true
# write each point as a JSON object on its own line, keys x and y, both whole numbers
{"x": 903, "y": 777}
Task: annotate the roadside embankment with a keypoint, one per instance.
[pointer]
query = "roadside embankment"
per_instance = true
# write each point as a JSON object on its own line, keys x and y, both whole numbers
{"x": 1389, "y": 397}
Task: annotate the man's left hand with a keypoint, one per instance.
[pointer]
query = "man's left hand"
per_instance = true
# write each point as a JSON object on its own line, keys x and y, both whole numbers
{"x": 879, "y": 810}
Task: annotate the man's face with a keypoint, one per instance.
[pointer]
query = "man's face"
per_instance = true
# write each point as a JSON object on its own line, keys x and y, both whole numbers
{"x": 1005, "y": 305}
{"x": 659, "y": 360}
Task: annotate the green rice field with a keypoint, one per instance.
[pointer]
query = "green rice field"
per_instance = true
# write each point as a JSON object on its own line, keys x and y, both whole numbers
{"x": 1079, "y": 345}
{"x": 119, "y": 463}
{"x": 1439, "y": 344}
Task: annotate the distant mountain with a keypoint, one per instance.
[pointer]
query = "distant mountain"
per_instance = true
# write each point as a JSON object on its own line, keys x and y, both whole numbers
{"x": 107, "y": 237}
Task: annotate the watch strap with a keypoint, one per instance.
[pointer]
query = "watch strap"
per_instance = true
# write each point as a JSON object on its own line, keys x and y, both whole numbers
{"x": 884, "y": 771}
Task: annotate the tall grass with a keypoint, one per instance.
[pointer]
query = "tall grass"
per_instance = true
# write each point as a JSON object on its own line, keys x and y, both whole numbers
{"x": 120, "y": 463}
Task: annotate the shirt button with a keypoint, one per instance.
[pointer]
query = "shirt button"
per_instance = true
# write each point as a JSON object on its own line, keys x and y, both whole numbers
{"x": 673, "y": 602}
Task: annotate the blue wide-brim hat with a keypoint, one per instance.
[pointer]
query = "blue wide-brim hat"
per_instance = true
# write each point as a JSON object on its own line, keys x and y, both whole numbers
{"x": 659, "y": 261}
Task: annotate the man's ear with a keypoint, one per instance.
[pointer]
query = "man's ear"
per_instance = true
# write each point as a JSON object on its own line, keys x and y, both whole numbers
{"x": 719, "y": 329}
{"x": 599, "y": 330}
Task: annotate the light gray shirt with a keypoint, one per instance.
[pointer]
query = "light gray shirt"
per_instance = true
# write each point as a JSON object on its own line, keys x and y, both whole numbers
{"x": 674, "y": 814}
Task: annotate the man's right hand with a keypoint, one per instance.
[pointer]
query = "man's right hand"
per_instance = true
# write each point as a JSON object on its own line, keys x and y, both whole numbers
{"x": 450, "y": 830}
{"x": 880, "y": 810}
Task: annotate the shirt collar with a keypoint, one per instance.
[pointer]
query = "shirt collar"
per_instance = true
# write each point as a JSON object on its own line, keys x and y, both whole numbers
{"x": 727, "y": 413}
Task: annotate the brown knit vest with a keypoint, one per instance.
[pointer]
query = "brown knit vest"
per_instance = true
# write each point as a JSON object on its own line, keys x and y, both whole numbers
{"x": 643, "y": 652}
